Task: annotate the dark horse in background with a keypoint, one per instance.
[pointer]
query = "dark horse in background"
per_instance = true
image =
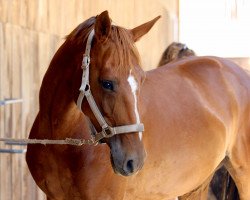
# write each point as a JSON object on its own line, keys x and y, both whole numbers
{"x": 222, "y": 184}
{"x": 196, "y": 116}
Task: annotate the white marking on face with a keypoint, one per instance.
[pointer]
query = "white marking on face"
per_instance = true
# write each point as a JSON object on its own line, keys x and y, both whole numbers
{"x": 134, "y": 86}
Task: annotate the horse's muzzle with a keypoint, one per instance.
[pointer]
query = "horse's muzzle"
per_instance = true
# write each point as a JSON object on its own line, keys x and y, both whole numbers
{"x": 127, "y": 167}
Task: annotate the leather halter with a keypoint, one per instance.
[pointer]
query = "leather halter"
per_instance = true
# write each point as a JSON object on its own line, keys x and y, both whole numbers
{"x": 107, "y": 131}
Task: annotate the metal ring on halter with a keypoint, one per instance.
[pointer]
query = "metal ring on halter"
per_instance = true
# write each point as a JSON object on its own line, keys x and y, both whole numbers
{"x": 108, "y": 132}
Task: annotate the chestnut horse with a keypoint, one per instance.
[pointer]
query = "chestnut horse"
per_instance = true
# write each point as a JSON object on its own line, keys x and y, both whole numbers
{"x": 221, "y": 186}
{"x": 195, "y": 112}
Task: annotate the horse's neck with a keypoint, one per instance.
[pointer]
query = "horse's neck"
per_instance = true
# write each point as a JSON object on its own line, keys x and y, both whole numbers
{"x": 58, "y": 111}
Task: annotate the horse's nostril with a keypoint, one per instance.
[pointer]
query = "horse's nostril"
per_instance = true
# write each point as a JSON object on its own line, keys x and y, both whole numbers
{"x": 130, "y": 166}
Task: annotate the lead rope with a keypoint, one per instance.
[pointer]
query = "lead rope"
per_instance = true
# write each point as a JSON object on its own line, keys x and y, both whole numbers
{"x": 69, "y": 141}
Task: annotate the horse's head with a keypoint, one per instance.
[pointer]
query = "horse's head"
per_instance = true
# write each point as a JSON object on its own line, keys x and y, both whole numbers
{"x": 174, "y": 52}
{"x": 115, "y": 77}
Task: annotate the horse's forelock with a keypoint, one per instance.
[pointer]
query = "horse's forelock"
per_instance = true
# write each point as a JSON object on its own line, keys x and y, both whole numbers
{"x": 125, "y": 48}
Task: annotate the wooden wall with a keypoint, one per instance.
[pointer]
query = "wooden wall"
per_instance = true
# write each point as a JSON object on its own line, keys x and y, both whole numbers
{"x": 30, "y": 33}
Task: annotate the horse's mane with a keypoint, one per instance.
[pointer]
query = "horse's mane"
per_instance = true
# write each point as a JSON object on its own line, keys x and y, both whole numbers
{"x": 121, "y": 37}
{"x": 80, "y": 34}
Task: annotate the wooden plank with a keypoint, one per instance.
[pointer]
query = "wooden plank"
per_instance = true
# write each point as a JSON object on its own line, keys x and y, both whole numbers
{"x": 24, "y": 6}
{"x": 15, "y": 12}
{"x": 67, "y": 17}
{"x": 4, "y": 10}
{"x": 29, "y": 46}
{"x": 16, "y": 109}
{"x": 55, "y": 13}
{"x": 32, "y": 14}
{"x": 42, "y": 16}
{"x": 6, "y": 79}
{"x": 2, "y": 60}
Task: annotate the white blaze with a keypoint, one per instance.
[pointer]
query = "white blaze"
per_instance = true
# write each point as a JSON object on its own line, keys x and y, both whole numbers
{"x": 134, "y": 86}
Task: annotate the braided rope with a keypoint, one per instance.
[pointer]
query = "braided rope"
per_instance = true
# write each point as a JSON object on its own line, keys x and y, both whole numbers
{"x": 68, "y": 141}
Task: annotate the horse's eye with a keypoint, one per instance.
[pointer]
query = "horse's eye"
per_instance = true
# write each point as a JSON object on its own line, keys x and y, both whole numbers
{"x": 108, "y": 85}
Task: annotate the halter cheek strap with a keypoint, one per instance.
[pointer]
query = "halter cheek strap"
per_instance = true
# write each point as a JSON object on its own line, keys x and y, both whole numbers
{"x": 85, "y": 68}
{"x": 107, "y": 131}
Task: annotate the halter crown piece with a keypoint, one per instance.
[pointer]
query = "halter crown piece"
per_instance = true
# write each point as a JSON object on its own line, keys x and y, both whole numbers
{"x": 107, "y": 131}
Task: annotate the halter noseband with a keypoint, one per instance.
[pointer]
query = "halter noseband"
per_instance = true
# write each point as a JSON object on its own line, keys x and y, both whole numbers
{"x": 107, "y": 131}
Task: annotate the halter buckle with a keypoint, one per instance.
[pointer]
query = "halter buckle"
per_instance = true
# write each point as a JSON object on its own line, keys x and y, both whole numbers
{"x": 107, "y": 132}
{"x": 85, "y": 61}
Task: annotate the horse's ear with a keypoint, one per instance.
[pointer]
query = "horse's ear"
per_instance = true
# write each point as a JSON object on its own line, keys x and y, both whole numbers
{"x": 102, "y": 26}
{"x": 141, "y": 30}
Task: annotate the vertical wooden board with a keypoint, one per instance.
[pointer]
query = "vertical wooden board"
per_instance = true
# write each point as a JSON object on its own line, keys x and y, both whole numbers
{"x": 67, "y": 20}
{"x": 129, "y": 7}
{"x": 2, "y": 52}
{"x": 24, "y": 6}
{"x": 149, "y": 45}
{"x": 25, "y": 65}
{"x": 118, "y": 12}
{"x": 23, "y": 166}
{"x": 6, "y": 91}
{"x": 15, "y": 12}
{"x": 100, "y": 6}
{"x": 16, "y": 181}
{"x": 42, "y": 13}
{"x": 35, "y": 80}
{"x": 32, "y": 14}
{"x": 6, "y": 188}
{"x": 27, "y": 41}
{"x": 2, "y": 62}
{"x": 16, "y": 77}
{"x": 4, "y": 10}
{"x": 80, "y": 13}
{"x": 16, "y": 108}
{"x": 55, "y": 13}
{"x": 86, "y": 12}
